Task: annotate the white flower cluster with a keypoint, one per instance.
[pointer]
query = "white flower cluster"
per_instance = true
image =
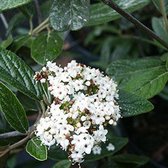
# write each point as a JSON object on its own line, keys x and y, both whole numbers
{"x": 84, "y": 102}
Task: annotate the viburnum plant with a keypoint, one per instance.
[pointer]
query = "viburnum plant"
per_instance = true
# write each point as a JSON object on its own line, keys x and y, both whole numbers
{"x": 71, "y": 114}
{"x": 84, "y": 101}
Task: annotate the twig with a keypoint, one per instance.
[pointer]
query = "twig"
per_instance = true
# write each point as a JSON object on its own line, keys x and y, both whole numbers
{"x": 41, "y": 26}
{"x": 5, "y": 23}
{"x": 31, "y": 25}
{"x": 17, "y": 144}
{"x": 29, "y": 135}
{"x": 11, "y": 134}
{"x": 39, "y": 15}
{"x": 135, "y": 22}
{"x": 16, "y": 133}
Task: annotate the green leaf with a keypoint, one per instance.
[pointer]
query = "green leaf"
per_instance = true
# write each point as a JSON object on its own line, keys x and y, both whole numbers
{"x": 36, "y": 149}
{"x": 143, "y": 77}
{"x": 14, "y": 22}
{"x": 158, "y": 6}
{"x": 101, "y": 13}
{"x": 159, "y": 27}
{"x": 13, "y": 110}
{"x": 129, "y": 158}
{"x": 9, "y": 4}
{"x": 69, "y": 14}
{"x": 62, "y": 164}
{"x": 6, "y": 43}
{"x": 20, "y": 42}
{"x": 132, "y": 105}
{"x": 12, "y": 161}
{"x": 46, "y": 47}
{"x": 118, "y": 142}
{"x": 16, "y": 73}
{"x": 28, "y": 103}
{"x": 56, "y": 153}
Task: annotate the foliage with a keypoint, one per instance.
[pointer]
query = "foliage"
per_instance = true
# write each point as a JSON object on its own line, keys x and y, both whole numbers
{"x": 116, "y": 48}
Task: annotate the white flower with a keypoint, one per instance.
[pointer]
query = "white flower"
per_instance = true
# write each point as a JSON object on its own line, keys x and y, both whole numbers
{"x": 100, "y": 134}
{"x": 111, "y": 122}
{"x": 81, "y": 130}
{"x": 84, "y": 100}
{"x": 77, "y": 156}
{"x": 110, "y": 147}
{"x": 87, "y": 83}
{"x": 87, "y": 124}
{"x": 83, "y": 143}
{"x": 98, "y": 119}
{"x": 43, "y": 80}
{"x": 63, "y": 142}
{"x": 78, "y": 85}
{"x": 96, "y": 150}
{"x": 83, "y": 118}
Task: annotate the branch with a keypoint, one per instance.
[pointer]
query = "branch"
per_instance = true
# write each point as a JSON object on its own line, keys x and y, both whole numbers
{"x": 136, "y": 22}
{"x": 4, "y": 20}
{"x": 41, "y": 26}
{"x": 17, "y": 144}
{"x": 39, "y": 15}
{"x": 15, "y": 133}
{"x": 11, "y": 134}
{"x": 28, "y": 135}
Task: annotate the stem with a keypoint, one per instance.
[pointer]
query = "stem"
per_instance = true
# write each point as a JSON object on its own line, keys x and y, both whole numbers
{"x": 42, "y": 106}
{"x": 163, "y": 11}
{"x": 17, "y": 144}
{"x": 29, "y": 135}
{"x": 15, "y": 133}
{"x": 5, "y": 23}
{"x": 41, "y": 26}
{"x": 135, "y": 22}
{"x": 39, "y": 15}
{"x": 31, "y": 25}
{"x": 11, "y": 134}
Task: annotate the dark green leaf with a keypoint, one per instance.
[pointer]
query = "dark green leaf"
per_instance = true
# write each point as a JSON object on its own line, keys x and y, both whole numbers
{"x": 16, "y": 73}
{"x": 159, "y": 27}
{"x": 57, "y": 153}
{"x": 144, "y": 77}
{"x": 69, "y": 14}
{"x": 15, "y": 21}
{"x": 13, "y": 110}
{"x": 28, "y": 103}
{"x": 118, "y": 142}
{"x": 12, "y": 161}
{"x": 158, "y": 6}
{"x": 132, "y": 105}
{"x": 101, "y": 13}
{"x": 20, "y": 42}
{"x": 164, "y": 58}
{"x": 7, "y": 42}
{"x": 62, "y": 164}
{"x": 8, "y": 4}
{"x": 46, "y": 47}
{"x": 129, "y": 158}
{"x": 36, "y": 149}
